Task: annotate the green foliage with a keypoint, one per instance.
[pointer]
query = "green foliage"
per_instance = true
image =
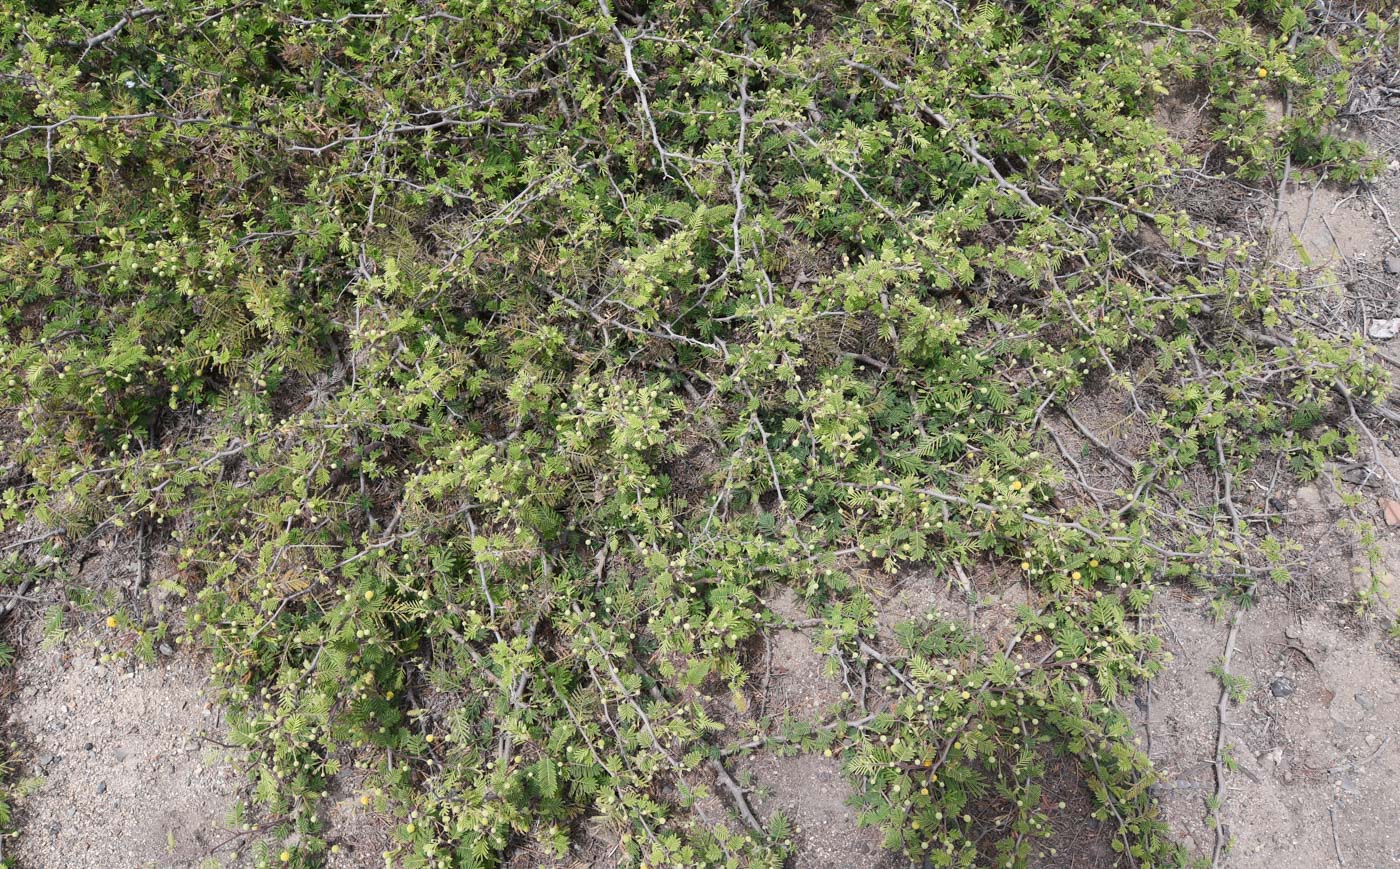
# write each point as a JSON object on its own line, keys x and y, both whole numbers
{"x": 483, "y": 366}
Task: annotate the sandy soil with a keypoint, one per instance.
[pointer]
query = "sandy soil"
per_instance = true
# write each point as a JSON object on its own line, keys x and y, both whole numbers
{"x": 132, "y": 769}
{"x": 1313, "y": 771}
{"x": 1317, "y": 769}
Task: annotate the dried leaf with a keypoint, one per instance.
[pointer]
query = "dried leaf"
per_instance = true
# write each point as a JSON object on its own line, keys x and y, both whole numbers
{"x": 1392, "y": 511}
{"x": 1384, "y": 329}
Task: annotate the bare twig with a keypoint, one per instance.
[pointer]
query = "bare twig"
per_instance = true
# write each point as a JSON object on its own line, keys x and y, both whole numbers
{"x": 737, "y": 793}
{"x": 134, "y": 15}
{"x": 1363, "y": 761}
{"x": 15, "y": 597}
{"x": 1336, "y": 843}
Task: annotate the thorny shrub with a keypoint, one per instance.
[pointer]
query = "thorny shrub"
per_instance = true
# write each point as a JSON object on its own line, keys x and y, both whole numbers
{"x": 481, "y": 367}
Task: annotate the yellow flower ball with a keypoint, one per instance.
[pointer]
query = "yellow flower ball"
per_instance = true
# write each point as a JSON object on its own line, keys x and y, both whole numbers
{"x": 111, "y": 621}
{"x": 369, "y": 595}
{"x": 1263, "y": 73}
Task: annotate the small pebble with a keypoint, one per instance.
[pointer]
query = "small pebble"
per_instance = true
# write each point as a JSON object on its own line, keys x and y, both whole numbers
{"x": 101, "y": 788}
{"x": 87, "y": 746}
{"x": 1282, "y": 687}
{"x": 1392, "y": 265}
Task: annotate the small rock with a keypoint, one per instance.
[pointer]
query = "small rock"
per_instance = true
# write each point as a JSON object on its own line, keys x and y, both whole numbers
{"x": 101, "y": 788}
{"x": 1309, "y": 498}
{"x": 1360, "y": 475}
{"x": 88, "y": 746}
{"x": 1282, "y": 687}
{"x": 1392, "y": 265}
{"x": 166, "y": 650}
{"x": 1365, "y": 702}
{"x": 120, "y": 755}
